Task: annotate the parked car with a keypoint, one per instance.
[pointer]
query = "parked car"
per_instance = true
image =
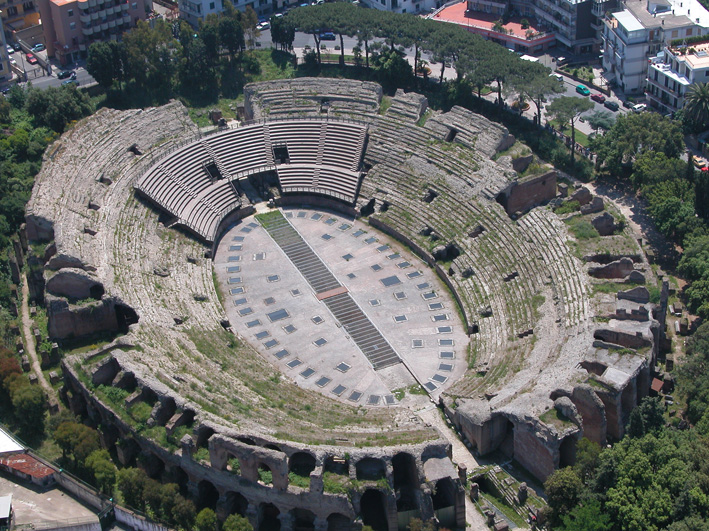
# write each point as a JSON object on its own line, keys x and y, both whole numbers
{"x": 16, "y": 46}
{"x": 66, "y": 73}
{"x": 327, "y": 36}
{"x": 583, "y": 90}
{"x": 10, "y": 50}
{"x": 600, "y": 98}
{"x": 612, "y": 105}
{"x": 640, "y": 107}
{"x": 31, "y": 59}
{"x": 262, "y": 26}
{"x": 698, "y": 161}
{"x": 628, "y": 104}
{"x": 70, "y": 82}
{"x": 558, "y": 77}
{"x": 39, "y": 47}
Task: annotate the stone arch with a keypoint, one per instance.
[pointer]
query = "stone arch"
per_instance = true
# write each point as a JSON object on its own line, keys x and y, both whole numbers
{"x": 302, "y": 463}
{"x": 271, "y": 446}
{"x": 338, "y": 522}
{"x": 303, "y": 520}
{"x": 373, "y": 510}
{"x": 405, "y": 471}
{"x": 235, "y": 503}
{"x": 268, "y": 517}
{"x": 246, "y": 440}
{"x": 180, "y": 477}
{"x": 406, "y": 482}
{"x": 567, "y": 451}
{"x": 233, "y": 464}
{"x": 207, "y": 495}
{"x": 444, "y": 494}
{"x": 337, "y": 465}
{"x": 203, "y": 435}
{"x": 371, "y": 468}
{"x": 265, "y": 474}
{"x": 152, "y": 464}
{"x": 508, "y": 440}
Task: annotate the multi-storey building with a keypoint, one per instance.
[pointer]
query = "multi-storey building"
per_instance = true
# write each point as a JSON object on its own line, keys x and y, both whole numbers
{"x": 19, "y": 14}
{"x": 671, "y": 73}
{"x": 5, "y": 72}
{"x": 193, "y": 11}
{"x": 70, "y": 26}
{"x": 639, "y": 30}
{"x": 570, "y": 21}
{"x": 403, "y": 6}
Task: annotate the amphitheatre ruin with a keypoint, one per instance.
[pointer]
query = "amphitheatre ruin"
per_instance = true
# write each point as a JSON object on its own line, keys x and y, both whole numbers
{"x": 284, "y": 297}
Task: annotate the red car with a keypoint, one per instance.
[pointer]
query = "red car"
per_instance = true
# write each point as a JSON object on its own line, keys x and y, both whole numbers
{"x": 31, "y": 59}
{"x": 600, "y": 98}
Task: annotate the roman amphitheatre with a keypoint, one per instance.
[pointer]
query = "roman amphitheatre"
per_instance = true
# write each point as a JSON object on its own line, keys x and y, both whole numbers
{"x": 292, "y": 297}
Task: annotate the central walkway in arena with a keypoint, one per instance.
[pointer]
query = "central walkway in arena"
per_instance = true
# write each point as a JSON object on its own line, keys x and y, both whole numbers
{"x": 363, "y": 332}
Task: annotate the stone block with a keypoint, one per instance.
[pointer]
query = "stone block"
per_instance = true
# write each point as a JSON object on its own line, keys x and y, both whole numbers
{"x": 582, "y": 195}
{"x": 54, "y": 377}
{"x": 639, "y": 294}
{"x": 596, "y": 205}
{"x": 604, "y": 224}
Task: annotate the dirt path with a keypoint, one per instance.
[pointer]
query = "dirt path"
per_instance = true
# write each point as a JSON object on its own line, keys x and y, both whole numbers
{"x": 29, "y": 345}
{"x": 634, "y": 210}
{"x": 461, "y": 454}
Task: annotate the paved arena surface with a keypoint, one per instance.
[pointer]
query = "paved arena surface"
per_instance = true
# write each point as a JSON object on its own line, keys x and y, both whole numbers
{"x": 272, "y": 305}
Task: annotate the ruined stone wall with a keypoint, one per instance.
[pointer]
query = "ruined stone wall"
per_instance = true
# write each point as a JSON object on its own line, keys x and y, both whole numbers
{"x": 523, "y": 194}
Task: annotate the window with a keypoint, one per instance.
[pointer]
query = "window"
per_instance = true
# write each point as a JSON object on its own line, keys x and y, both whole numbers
{"x": 134, "y": 5}
{"x": 689, "y": 31}
{"x": 674, "y": 34}
{"x": 72, "y": 25}
{"x": 70, "y": 13}
{"x": 12, "y": 11}
{"x": 211, "y": 5}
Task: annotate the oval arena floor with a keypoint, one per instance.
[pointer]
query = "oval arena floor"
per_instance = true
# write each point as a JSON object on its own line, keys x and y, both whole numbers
{"x": 345, "y": 311}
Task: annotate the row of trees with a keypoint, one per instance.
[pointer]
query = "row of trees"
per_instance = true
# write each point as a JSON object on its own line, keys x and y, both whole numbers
{"x": 170, "y": 59}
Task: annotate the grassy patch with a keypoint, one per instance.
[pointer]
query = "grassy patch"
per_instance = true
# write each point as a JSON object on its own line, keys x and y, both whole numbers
{"x": 567, "y": 208}
{"x": 298, "y": 480}
{"x": 335, "y": 483}
{"x": 581, "y": 228}
{"x": 554, "y": 417}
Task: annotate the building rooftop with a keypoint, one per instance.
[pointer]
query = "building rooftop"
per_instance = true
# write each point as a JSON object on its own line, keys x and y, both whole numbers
{"x": 62, "y": 2}
{"x": 8, "y": 444}
{"x": 27, "y": 465}
{"x": 628, "y": 21}
{"x": 668, "y": 14}
{"x": 695, "y": 55}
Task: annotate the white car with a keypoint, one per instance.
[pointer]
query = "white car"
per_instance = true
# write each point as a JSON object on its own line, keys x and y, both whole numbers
{"x": 558, "y": 77}
{"x": 10, "y": 50}
{"x": 640, "y": 107}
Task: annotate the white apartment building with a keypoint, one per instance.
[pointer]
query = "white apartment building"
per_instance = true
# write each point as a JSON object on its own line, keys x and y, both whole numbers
{"x": 670, "y": 74}
{"x": 639, "y": 30}
{"x": 404, "y": 6}
{"x": 195, "y": 10}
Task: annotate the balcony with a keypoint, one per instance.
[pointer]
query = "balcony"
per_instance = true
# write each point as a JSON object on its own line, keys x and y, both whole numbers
{"x": 85, "y": 19}
{"x": 112, "y": 23}
{"x": 126, "y": 20}
{"x": 87, "y": 31}
{"x": 83, "y": 4}
{"x": 124, "y": 7}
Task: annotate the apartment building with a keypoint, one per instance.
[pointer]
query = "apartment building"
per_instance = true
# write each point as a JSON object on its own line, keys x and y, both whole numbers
{"x": 673, "y": 71}
{"x": 572, "y": 22}
{"x": 19, "y": 14}
{"x": 193, "y": 11}
{"x": 5, "y": 71}
{"x": 403, "y": 6}
{"x": 639, "y": 30}
{"x": 70, "y": 26}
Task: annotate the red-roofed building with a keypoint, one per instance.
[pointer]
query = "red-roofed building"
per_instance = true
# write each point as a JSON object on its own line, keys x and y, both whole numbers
{"x": 27, "y": 467}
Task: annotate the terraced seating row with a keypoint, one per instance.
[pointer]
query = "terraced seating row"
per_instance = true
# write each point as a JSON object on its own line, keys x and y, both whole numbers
{"x": 310, "y": 96}
{"x": 319, "y": 179}
{"x": 323, "y": 157}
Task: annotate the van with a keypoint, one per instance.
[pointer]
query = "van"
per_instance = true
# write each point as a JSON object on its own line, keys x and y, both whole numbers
{"x": 640, "y": 107}
{"x": 558, "y": 77}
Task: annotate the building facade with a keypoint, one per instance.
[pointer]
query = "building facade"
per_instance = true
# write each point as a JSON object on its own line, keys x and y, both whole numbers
{"x": 19, "y": 14}
{"x": 404, "y": 6}
{"x": 70, "y": 26}
{"x": 639, "y": 30}
{"x": 570, "y": 21}
{"x": 673, "y": 71}
{"x": 5, "y": 71}
{"x": 194, "y": 11}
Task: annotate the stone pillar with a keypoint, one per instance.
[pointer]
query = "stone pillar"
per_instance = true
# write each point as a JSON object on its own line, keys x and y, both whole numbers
{"x": 316, "y": 481}
{"x": 460, "y": 507}
{"x": 463, "y": 473}
{"x": 474, "y": 491}
{"x": 222, "y": 508}
{"x": 249, "y": 469}
{"x": 392, "y": 516}
{"x": 320, "y": 523}
{"x": 425, "y": 503}
{"x": 286, "y": 519}
{"x": 522, "y": 494}
{"x": 252, "y": 515}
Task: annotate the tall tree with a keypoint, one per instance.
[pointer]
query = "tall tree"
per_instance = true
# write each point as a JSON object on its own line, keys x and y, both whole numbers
{"x": 697, "y": 104}
{"x": 567, "y": 109}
